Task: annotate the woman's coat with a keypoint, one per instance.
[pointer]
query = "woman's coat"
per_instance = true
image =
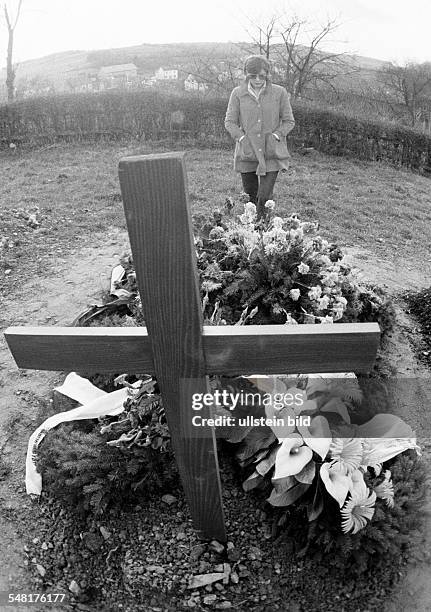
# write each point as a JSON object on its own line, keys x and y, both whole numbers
{"x": 259, "y": 119}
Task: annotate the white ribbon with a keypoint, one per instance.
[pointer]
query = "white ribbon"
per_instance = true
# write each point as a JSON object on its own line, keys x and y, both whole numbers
{"x": 95, "y": 403}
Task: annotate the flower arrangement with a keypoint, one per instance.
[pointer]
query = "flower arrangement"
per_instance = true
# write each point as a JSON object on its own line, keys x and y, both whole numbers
{"x": 279, "y": 271}
{"x": 330, "y": 458}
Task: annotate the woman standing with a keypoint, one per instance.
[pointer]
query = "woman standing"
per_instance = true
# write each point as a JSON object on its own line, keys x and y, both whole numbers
{"x": 259, "y": 117}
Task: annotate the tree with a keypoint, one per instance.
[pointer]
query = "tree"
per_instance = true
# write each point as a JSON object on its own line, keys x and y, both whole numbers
{"x": 408, "y": 89}
{"x": 10, "y": 69}
{"x": 305, "y": 66}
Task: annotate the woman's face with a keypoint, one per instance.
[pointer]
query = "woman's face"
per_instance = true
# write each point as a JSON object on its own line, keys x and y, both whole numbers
{"x": 257, "y": 80}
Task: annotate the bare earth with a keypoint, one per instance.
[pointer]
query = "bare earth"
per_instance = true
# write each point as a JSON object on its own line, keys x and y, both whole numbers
{"x": 56, "y": 299}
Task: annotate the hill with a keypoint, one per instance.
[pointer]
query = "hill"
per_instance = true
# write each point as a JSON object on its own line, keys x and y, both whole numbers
{"x": 60, "y": 68}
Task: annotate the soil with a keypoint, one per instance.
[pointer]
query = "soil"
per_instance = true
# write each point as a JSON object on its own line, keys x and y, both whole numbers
{"x": 29, "y": 532}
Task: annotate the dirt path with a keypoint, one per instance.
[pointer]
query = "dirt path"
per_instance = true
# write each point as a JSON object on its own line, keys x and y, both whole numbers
{"x": 56, "y": 299}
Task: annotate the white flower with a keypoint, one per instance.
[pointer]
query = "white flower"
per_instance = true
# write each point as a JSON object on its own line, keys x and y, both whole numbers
{"x": 326, "y": 319}
{"x": 277, "y": 222}
{"x": 315, "y": 292}
{"x": 331, "y": 279}
{"x": 216, "y": 233}
{"x": 249, "y": 214}
{"x": 303, "y": 268}
{"x": 358, "y": 510}
{"x": 292, "y": 457}
{"x": 250, "y": 208}
{"x": 336, "y": 483}
{"x": 346, "y": 454}
{"x": 296, "y": 233}
{"x": 270, "y": 248}
{"x": 270, "y": 204}
{"x": 323, "y": 302}
{"x": 324, "y": 260}
{"x": 289, "y": 319}
{"x": 295, "y": 294}
{"x": 210, "y": 285}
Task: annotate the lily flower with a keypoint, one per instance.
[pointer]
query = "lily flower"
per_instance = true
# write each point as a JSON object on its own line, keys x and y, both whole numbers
{"x": 337, "y": 484}
{"x": 292, "y": 457}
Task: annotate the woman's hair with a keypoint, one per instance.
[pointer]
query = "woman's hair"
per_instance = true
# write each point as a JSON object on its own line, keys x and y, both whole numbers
{"x": 255, "y": 63}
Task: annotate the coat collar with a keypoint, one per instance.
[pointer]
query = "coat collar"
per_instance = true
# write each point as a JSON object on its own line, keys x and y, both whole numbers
{"x": 243, "y": 89}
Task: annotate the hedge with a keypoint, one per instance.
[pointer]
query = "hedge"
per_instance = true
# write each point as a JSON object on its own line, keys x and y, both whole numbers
{"x": 154, "y": 116}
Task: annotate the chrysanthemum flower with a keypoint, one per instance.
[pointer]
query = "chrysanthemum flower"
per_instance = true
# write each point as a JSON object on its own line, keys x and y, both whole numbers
{"x": 346, "y": 454}
{"x": 358, "y": 510}
{"x": 277, "y": 222}
{"x": 303, "y": 268}
{"x": 323, "y": 302}
{"x": 295, "y": 294}
{"x": 315, "y": 292}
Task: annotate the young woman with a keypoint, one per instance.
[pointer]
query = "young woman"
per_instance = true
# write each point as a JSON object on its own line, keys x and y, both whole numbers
{"x": 259, "y": 117}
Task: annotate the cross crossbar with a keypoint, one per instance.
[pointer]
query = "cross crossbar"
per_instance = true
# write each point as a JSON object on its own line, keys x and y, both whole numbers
{"x": 175, "y": 346}
{"x": 229, "y": 350}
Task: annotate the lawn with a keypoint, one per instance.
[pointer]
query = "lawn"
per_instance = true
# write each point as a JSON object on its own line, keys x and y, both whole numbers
{"x": 75, "y": 187}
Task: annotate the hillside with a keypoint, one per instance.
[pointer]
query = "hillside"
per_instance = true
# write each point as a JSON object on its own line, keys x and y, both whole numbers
{"x": 59, "y": 68}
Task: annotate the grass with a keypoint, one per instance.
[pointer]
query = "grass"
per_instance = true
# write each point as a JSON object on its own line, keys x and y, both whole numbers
{"x": 359, "y": 204}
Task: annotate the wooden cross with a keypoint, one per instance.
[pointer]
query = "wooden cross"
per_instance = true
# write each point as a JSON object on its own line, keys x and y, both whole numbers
{"x": 174, "y": 346}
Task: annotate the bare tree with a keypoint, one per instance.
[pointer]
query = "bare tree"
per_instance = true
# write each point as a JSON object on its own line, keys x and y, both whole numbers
{"x": 407, "y": 89}
{"x": 220, "y": 75}
{"x": 300, "y": 67}
{"x": 10, "y": 69}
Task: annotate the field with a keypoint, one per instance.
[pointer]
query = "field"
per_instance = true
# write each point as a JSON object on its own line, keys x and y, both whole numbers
{"x": 51, "y": 269}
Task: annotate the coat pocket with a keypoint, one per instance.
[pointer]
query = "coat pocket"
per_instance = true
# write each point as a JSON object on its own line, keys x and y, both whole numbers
{"x": 275, "y": 149}
{"x": 244, "y": 150}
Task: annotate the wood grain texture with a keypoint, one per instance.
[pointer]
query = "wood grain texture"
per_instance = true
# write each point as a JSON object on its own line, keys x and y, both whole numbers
{"x": 154, "y": 193}
{"x": 229, "y": 350}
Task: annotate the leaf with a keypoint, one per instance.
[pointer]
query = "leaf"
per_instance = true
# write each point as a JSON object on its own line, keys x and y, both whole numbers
{"x": 315, "y": 509}
{"x": 91, "y": 488}
{"x": 318, "y": 436}
{"x": 306, "y": 475}
{"x": 336, "y": 405}
{"x": 266, "y": 464}
{"x": 281, "y": 485}
{"x": 288, "y": 497}
{"x": 252, "y": 481}
{"x": 348, "y": 389}
{"x": 256, "y": 440}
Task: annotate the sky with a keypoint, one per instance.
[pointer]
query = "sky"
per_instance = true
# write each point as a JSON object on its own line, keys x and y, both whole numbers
{"x": 384, "y": 29}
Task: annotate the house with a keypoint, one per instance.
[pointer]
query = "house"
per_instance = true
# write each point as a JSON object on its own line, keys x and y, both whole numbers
{"x": 191, "y": 83}
{"x": 166, "y": 75}
{"x": 117, "y": 75}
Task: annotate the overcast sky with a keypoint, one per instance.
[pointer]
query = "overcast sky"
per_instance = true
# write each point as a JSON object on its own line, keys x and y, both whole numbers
{"x": 383, "y": 29}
